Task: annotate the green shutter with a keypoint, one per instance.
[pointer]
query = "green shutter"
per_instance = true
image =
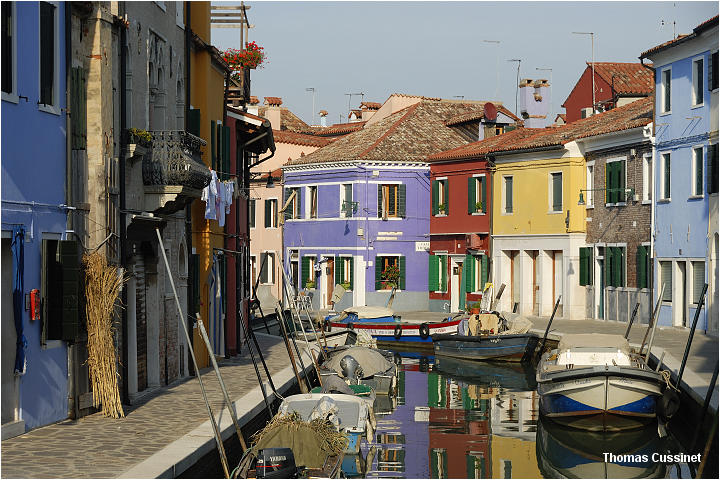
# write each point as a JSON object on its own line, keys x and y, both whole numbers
{"x": 268, "y": 214}
{"x": 338, "y": 269}
{"x": 483, "y": 193}
{"x": 380, "y": 201}
{"x": 468, "y": 267}
{"x": 557, "y": 192}
{"x": 213, "y": 151}
{"x": 608, "y": 183}
{"x": 78, "y": 109}
{"x": 352, "y": 273}
{"x": 402, "y": 273}
{"x": 435, "y": 192}
{"x": 433, "y": 273}
{"x": 621, "y": 182}
{"x": 193, "y": 121}
{"x": 484, "y": 267}
{"x": 699, "y": 175}
{"x": 617, "y": 266}
{"x": 667, "y": 176}
{"x": 305, "y": 271}
{"x": 446, "y": 200}
{"x": 378, "y": 273}
{"x": 471, "y": 194}
{"x": 583, "y": 266}
{"x": 608, "y": 266}
{"x": 642, "y": 262}
{"x": 226, "y": 151}
{"x": 401, "y": 200}
{"x": 70, "y": 264}
{"x": 443, "y": 272}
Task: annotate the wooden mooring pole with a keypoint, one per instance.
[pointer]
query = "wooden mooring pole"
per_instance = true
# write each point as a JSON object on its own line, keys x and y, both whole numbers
{"x": 701, "y": 302}
{"x": 547, "y": 329}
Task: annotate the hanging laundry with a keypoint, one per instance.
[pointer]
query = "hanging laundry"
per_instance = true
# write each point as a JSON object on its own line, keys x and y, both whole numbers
{"x": 209, "y": 196}
{"x": 229, "y": 191}
{"x": 236, "y": 187}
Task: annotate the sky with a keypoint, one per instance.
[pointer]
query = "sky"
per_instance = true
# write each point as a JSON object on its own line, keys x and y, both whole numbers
{"x": 443, "y": 49}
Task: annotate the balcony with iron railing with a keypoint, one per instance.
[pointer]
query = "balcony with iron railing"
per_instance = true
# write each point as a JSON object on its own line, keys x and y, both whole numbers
{"x": 173, "y": 173}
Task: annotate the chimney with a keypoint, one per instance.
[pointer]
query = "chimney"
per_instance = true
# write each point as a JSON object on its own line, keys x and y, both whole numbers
{"x": 253, "y": 105}
{"x": 534, "y": 102}
{"x": 272, "y": 112}
{"x": 323, "y": 118}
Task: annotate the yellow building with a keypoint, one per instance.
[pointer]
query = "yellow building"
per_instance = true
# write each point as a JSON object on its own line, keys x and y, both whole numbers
{"x": 207, "y": 95}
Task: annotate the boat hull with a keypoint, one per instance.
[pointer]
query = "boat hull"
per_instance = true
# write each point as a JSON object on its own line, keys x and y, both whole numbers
{"x": 512, "y": 348}
{"x": 387, "y": 331}
{"x": 600, "y": 398}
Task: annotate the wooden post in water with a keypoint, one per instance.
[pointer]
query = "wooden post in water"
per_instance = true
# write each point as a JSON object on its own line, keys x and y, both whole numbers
{"x": 632, "y": 319}
{"x": 656, "y": 312}
{"x": 497, "y": 297}
{"x": 283, "y": 332}
{"x": 547, "y": 330}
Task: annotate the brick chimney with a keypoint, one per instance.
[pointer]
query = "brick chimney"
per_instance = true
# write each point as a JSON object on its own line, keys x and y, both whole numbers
{"x": 534, "y": 102}
{"x": 272, "y": 112}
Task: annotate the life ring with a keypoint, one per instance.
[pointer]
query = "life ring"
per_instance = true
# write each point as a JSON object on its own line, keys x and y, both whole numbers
{"x": 326, "y": 325}
{"x": 398, "y": 332}
{"x": 350, "y": 326}
{"x": 424, "y": 331}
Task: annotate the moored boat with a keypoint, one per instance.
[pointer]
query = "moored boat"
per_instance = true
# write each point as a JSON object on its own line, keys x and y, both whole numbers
{"x": 362, "y": 365}
{"x": 595, "y": 382}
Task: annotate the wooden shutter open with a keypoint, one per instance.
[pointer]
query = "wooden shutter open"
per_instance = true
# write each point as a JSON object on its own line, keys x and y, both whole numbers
{"x": 471, "y": 194}
{"x": 401, "y": 200}
{"x": 435, "y": 193}
{"x": 401, "y": 262}
{"x": 378, "y": 272}
{"x": 433, "y": 273}
{"x": 69, "y": 257}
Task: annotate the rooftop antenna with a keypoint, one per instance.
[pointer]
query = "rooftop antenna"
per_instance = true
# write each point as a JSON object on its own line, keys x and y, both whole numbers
{"x": 517, "y": 82}
{"x": 350, "y": 95}
{"x": 592, "y": 62}
{"x": 312, "y": 117}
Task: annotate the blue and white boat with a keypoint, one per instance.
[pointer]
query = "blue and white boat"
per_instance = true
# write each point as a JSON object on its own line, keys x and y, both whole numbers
{"x": 595, "y": 382}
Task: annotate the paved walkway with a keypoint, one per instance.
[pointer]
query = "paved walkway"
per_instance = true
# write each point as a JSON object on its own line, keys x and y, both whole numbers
{"x": 99, "y": 447}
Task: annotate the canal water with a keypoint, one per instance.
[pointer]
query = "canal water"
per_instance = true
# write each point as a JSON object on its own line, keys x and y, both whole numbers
{"x": 461, "y": 419}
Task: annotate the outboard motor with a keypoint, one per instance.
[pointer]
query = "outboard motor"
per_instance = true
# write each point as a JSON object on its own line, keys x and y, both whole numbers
{"x": 276, "y": 463}
{"x": 351, "y": 369}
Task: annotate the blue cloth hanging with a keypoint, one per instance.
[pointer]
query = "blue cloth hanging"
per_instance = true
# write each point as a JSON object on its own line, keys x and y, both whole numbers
{"x": 18, "y": 251}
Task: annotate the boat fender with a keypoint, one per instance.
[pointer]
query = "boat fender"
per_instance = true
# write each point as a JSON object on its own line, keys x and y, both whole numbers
{"x": 397, "y": 359}
{"x": 424, "y": 331}
{"x": 669, "y": 403}
{"x": 350, "y": 326}
{"x": 398, "y": 332}
{"x": 326, "y": 325}
{"x": 424, "y": 364}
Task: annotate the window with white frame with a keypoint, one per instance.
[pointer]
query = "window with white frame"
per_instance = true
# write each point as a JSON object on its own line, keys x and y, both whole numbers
{"x": 271, "y": 210}
{"x": 251, "y": 212}
{"x": 312, "y": 192}
{"x": 440, "y": 196}
{"x": 615, "y": 181}
{"x": 49, "y": 58}
{"x": 590, "y": 182}
{"x": 346, "y": 200}
{"x": 508, "y": 194}
{"x": 345, "y": 270}
{"x": 697, "y": 172}
{"x": 647, "y": 178}
{"x": 665, "y": 90}
{"x": 698, "y": 280}
{"x": 665, "y": 176}
{"x": 698, "y": 83}
{"x": 556, "y": 192}
{"x": 292, "y": 210}
{"x": 477, "y": 194}
{"x": 9, "y": 52}
{"x": 666, "y": 278}
{"x": 267, "y": 264}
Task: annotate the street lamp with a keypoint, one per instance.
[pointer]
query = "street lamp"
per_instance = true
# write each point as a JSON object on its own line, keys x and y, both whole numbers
{"x": 312, "y": 116}
{"x": 517, "y": 82}
{"x": 592, "y": 62}
{"x": 551, "y": 85}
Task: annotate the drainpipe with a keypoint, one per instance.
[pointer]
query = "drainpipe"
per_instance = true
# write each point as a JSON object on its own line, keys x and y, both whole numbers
{"x": 490, "y": 166}
{"x": 648, "y": 133}
{"x": 123, "y": 207}
{"x": 188, "y": 208}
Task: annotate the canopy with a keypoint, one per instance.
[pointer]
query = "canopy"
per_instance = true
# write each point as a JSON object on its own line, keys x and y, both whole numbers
{"x": 371, "y": 361}
{"x": 593, "y": 340}
{"x": 370, "y": 312}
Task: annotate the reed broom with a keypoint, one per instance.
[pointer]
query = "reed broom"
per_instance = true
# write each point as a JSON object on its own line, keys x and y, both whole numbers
{"x": 103, "y": 284}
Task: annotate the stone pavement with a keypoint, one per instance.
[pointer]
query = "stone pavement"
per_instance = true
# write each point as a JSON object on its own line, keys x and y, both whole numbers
{"x": 99, "y": 447}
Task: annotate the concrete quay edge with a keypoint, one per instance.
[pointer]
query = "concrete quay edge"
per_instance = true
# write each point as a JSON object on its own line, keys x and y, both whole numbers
{"x": 176, "y": 457}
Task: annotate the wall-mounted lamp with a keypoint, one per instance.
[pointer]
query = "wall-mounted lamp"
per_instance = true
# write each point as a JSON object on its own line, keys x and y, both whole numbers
{"x": 270, "y": 183}
{"x": 628, "y": 192}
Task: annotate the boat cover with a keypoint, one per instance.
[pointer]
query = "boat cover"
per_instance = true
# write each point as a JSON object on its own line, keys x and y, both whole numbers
{"x": 518, "y": 325}
{"x": 593, "y": 340}
{"x": 369, "y": 312}
{"x": 371, "y": 361}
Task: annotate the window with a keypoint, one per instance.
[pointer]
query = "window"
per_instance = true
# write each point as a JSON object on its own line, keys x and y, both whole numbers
{"x": 666, "y": 278}
{"x": 9, "y": 49}
{"x": 313, "y": 199}
{"x": 308, "y": 271}
{"x": 267, "y": 265}
{"x": 643, "y": 266}
{"x": 508, "y": 192}
{"x": 615, "y": 182}
{"x": 271, "y": 213}
{"x": 49, "y": 77}
{"x": 698, "y": 276}
{"x": 665, "y": 77}
{"x": 437, "y": 273}
{"x": 346, "y": 201}
{"x": 556, "y": 191}
{"x": 647, "y": 178}
{"x": 294, "y": 267}
{"x": 665, "y": 179}
{"x": 713, "y": 71}
{"x": 590, "y": 182}
{"x": 292, "y": 209}
{"x": 712, "y": 171}
{"x": 697, "y": 171}
{"x": 585, "y": 266}
{"x": 477, "y": 194}
{"x": 615, "y": 266}
{"x": 391, "y": 201}
{"x": 344, "y": 272}
{"x": 698, "y": 81}
{"x": 61, "y": 288}
{"x": 388, "y": 270}
{"x": 440, "y": 197}
{"x": 251, "y": 213}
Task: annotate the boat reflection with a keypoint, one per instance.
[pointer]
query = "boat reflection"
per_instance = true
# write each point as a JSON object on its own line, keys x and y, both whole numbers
{"x": 565, "y": 452}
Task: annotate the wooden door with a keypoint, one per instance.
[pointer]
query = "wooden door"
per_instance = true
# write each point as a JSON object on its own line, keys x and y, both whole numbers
{"x": 330, "y": 281}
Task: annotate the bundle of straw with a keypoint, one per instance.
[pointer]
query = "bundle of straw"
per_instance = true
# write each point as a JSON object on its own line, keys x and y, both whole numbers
{"x": 102, "y": 288}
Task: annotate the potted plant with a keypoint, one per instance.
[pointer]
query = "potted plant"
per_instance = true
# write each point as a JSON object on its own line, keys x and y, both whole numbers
{"x": 474, "y": 308}
{"x": 345, "y": 285}
{"x": 253, "y": 56}
{"x": 441, "y": 209}
{"x": 139, "y": 136}
{"x": 310, "y": 284}
{"x": 390, "y": 277}
{"x": 478, "y": 206}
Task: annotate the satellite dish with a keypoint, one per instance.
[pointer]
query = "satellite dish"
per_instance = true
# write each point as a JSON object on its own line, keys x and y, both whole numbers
{"x": 490, "y": 111}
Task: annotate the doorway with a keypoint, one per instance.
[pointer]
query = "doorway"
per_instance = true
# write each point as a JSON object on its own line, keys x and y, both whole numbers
{"x": 514, "y": 279}
{"x": 535, "y": 282}
{"x": 601, "y": 283}
{"x": 457, "y": 293}
{"x": 329, "y": 281}
{"x": 681, "y": 301}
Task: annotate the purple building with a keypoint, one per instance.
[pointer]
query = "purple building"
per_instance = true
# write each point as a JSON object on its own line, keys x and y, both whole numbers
{"x": 359, "y": 208}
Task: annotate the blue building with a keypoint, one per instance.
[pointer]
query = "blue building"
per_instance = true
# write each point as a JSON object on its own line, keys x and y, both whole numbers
{"x": 685, "y": 164}
{"x": 37, "y": 261}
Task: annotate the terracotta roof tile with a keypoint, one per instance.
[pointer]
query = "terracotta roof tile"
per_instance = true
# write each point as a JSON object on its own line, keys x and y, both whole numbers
{"x": 409, "y": 135}
{"x": 273, "y": 101}
{"x": 629, "y": 78}
{"x": 253, "y": 100}
{"x": 477, "y": 114}
{"x": 286, "y": 136}
{"x": 636, "y": 114}
{"x": 288, "y": 120}
{"x": 682, "y": 38}
{"x": 339, "y": 129}
{"x": 370, "y": 105}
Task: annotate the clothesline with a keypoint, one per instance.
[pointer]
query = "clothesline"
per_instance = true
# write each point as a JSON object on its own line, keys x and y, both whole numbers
{"x": 218, "y": 197}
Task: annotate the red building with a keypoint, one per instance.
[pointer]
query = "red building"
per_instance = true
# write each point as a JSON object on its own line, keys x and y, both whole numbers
{"x": 616, "y": 84}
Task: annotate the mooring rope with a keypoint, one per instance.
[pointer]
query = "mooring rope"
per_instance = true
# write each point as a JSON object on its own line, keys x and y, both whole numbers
{"x": 666, "y": 376}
